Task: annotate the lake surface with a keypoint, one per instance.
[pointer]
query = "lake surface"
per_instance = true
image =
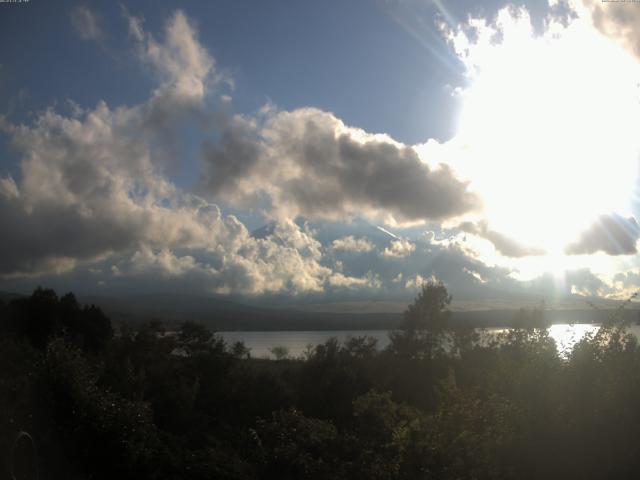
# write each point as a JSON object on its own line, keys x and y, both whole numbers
{"x": 296, "y": 342}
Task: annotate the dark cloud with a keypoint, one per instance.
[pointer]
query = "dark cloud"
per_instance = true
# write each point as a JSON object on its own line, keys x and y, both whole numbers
{"x": 502, "y": 243}
{"x": 230, "y": 160}
{"x": 584, "y": 282}
{"x": 309, "y": 163}
{"x": 54, "y": 238}
{"x": 611, "y": 234}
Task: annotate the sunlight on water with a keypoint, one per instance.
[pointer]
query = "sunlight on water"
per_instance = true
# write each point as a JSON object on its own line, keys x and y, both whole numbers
{"x": 567, "y": 335}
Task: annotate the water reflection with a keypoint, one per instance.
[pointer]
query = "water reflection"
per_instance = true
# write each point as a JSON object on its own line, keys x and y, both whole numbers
{"x": 567, "y": 335}
{"x": 296, "y": 342}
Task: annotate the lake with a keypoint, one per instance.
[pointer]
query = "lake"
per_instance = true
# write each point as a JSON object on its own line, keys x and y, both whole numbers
{"x": 565, "y": 335}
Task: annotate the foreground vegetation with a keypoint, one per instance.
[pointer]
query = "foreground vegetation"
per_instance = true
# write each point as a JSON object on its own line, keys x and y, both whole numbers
{"x": 434, "y": 404}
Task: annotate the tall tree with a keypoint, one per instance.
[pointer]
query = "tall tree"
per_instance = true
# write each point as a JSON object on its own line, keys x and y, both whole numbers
{"x": 424, "y": 322}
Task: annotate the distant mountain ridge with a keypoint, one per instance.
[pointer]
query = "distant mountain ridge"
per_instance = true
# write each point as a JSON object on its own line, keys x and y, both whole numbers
{"x": 219, "y": 313}
{"x": 223, "y": 314}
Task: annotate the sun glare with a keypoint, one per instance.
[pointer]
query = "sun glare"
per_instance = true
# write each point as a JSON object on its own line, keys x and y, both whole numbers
{"x": 548, "y": 131}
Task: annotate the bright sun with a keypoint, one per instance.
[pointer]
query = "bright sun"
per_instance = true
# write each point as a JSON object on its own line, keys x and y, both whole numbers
{"x": 549, "y": 128}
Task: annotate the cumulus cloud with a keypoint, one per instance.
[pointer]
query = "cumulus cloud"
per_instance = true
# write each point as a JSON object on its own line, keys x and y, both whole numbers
{"x": 611, "y": 234}
{"x": 617, "y": 20}
{"x": 235, "y": 262}
{"x": 164, "y": 262}
{"x": 399, "y": 248}
{"x": 352, "y": 244}
{"x": 86, "y": 24}
{"x": 502, "y": 243}
{"x": 184, "y": 64}
{"x": 186, "y": 71}
{"x": 76, "y": 196}
{"x": 308, "y": 162}
{"x": 91, "y": 191}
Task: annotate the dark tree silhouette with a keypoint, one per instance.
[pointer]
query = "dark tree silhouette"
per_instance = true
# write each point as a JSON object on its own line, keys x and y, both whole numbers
{"x": 429, "y": 311}
{"x": 424, "y": 322}
{"x": 42, "y": 316}
{"x": 155, "y": 404}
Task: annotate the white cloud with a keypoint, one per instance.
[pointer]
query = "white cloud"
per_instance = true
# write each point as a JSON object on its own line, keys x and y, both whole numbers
{"x": 8, "y": 188}
{"x": 86, "y": 24}
{"x": 352, "y": 244}
{"x": 417, "y": 281}
{"x": 399, "y": 248}
{"x": 475, "y": 275}
{"x": 369, "y": 281}
{"x": 236, "y": 262}
{"x": 136, "y": 30}
{"x": 618, "y": 20}
{"x": 186, "y": 70}
{"x": 164, "y": 262}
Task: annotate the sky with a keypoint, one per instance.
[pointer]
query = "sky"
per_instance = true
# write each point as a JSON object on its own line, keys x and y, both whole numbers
{"x": 324, "y": 152}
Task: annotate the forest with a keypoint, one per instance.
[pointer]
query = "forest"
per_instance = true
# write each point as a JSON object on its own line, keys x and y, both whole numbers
{"x": 81, "y": 398}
